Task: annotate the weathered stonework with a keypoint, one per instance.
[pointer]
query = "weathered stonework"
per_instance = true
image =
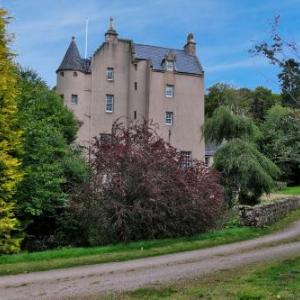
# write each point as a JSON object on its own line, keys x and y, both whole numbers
{"x": 266, "y": 214}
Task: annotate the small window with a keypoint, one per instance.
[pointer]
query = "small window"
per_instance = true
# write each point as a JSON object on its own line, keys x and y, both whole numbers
{"x": 75, "y": 74}
{"x": 74, "y": 99}
{"x": 109, "y": 106}
{"x": 169, "y": 91}
{"x": 110, "y": 73}
{"x": 169, "y": 118}
{"x": 207, "y": 161}
{"x": 135, "y": 86}
{"x": 62, "y": 96}
{"x": 105, "y": 138}
{"x": 169, "y": 65}
{"x": 135, "y": 67}
{"x": 134, "y": 114}
{"x": 62, "y": 74}
{"x": 186, "y": 159}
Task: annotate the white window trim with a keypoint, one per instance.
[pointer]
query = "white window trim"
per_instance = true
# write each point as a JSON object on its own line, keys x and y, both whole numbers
{"x": 171, "y": 118}
{"x": 187, "y": 158}
{"x": 108, "y": 71}
{"x": 172, "y": 88}
{"x": 112, "y": 103}
{"x": 170, "y": 66}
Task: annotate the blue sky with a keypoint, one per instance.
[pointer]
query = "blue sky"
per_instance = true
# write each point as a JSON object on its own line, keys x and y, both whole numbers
{"x": 224, "y": 31}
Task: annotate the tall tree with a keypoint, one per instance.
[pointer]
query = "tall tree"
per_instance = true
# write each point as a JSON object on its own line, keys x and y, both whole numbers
{"x": 262, "y": 99}
{"x": 285, "y": 55}
{"x": 222, "y": 94}
{"x": 281, "y": 141}
{"x": 10, "y": 143}
{"x": 247, "y": 173}
{"x": 290, "y": 83}
{"x": 241, "y": 101}
{"x": 51, "y": 165}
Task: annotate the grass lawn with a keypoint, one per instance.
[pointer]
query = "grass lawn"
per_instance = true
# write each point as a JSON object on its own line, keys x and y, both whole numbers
{"x": 279, "y": 194}
{"x": 69, "y": 257}
{"x": 291, "y": 190}
{"x": 277, "y": 280}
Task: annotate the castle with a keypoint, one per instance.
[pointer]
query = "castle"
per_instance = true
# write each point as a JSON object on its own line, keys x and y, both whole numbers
{"x": 136, "y": 81}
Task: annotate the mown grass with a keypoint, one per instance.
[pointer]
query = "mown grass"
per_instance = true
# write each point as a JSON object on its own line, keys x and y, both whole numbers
{"x": 290, "y": 190}
{"x": 277, "y": 280}
{"x": 69, "y": 257}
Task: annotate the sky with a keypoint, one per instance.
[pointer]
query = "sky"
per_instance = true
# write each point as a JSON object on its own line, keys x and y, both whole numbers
{"x": 224, "y": 31}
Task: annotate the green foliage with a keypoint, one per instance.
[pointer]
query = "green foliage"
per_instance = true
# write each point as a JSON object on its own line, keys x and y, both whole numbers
{"x": 225, "y": 95}
{"x": 264, "y": 281}
{"x": 10, "y": 144}
{"x": 68, "y": 257}
{"x": 262, "y": 100}
{"x": 241, "y": 101}
{"x": 290, "y": 83}
{"x": 224, "y": 124}
{"x": 51, "y": 166}
{"x": 246, "y": 171}
{"x": 281, "y": 141}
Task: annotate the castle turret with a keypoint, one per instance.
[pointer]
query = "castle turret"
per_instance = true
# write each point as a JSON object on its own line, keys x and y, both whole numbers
{"x": 72, "y": 60}
{"x": 74, "y": 87}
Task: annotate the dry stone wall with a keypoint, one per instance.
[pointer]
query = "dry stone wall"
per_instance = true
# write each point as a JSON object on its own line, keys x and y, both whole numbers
{"x": 266, "y": 214}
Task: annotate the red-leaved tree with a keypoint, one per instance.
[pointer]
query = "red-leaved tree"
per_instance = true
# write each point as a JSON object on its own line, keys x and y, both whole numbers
{"x": 138, "y": 189}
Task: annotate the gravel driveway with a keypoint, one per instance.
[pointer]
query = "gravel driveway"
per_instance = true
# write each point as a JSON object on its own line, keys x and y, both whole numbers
{"x": 124, "y": 276}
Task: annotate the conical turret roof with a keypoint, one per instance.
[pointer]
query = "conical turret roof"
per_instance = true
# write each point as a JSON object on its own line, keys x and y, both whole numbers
{"x": 73, "y": 61}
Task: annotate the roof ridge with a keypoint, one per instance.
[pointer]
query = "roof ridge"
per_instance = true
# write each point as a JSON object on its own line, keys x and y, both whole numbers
{"x": 139, "y": 44}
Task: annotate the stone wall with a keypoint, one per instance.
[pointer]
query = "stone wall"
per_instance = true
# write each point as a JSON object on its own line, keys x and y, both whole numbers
{"x": 266, "y": 214}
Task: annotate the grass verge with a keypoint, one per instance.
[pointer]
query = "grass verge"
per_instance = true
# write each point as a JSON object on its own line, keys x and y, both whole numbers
{"x": 277, "y": 280}
{"x": 70, "y": 257}
{"x": 290, "y": 190}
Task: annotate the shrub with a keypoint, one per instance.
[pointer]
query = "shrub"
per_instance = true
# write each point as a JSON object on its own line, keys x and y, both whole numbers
{"x": 138, "y": 189}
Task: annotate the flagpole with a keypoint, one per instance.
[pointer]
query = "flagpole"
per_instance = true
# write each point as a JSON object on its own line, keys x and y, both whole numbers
{"x": 86, "y": 37}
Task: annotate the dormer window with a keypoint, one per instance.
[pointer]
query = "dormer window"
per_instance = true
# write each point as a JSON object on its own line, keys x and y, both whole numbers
{"x": 110, "y": 74}
{"x": 169, "y": 65}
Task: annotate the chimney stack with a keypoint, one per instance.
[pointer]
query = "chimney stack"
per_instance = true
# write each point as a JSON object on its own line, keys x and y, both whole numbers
{"x": 190, "y": 46}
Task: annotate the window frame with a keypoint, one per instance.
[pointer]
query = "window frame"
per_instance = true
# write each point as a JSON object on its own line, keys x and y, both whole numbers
{"x": 110, "y": 70}
{"x": 170, "y": 65}
{"x": 170, "y": 117}
{"x": 107, "y": 96}
{"x": 105, "y": 138}
{"x": 74, "y": 96}
{"x": 186, "y": 159}
{"x": 169, "y": 87}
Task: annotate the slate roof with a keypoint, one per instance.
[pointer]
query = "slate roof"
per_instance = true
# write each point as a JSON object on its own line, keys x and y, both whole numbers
{"x": 184, "y": 63}
{"x": 73, "y": 61}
